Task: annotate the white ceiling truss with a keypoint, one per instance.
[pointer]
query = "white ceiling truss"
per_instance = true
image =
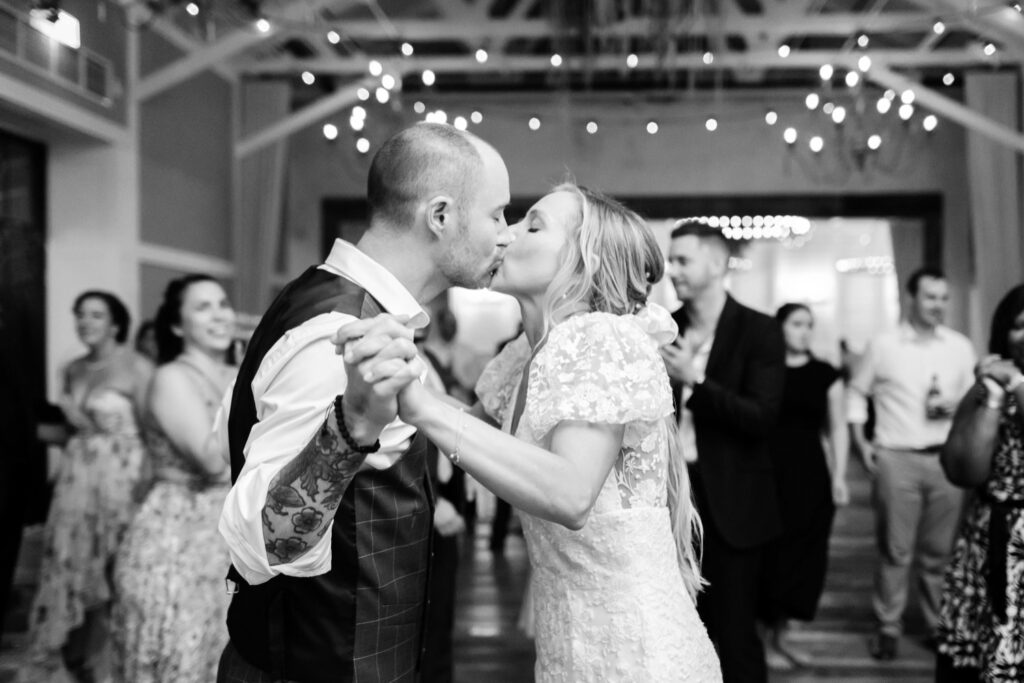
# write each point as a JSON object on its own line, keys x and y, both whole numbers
{"x": 676, "y": 43}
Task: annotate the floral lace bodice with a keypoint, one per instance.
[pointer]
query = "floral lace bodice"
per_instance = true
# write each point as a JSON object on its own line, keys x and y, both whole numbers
{"x": 610, "y": 602}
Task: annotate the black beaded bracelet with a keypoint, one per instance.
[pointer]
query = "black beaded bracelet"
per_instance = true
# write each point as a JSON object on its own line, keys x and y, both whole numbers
{"x": 339, "y": 418}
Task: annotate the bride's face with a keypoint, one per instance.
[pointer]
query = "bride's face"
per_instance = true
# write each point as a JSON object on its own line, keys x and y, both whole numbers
{"x": 532, "y": 260}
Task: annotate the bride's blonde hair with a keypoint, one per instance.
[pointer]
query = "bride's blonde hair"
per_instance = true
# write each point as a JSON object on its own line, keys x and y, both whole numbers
{"x": 609, "y": 264}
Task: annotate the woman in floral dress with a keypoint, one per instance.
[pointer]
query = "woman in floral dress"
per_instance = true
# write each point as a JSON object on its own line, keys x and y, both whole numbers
{"x": 95, "y": 497}
{"x": 981, "y": 633}
{"x": 171, "y": 604}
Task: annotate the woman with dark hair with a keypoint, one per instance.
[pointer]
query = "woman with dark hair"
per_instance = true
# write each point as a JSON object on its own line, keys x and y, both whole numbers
{"x": 812, "y": 413}
{"x": 171, "y": 605}
{"x": 94, "y": 496}
{"x": 981, "y": 631}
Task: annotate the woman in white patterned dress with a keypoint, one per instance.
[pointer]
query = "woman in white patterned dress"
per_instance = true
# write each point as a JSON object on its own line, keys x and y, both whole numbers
{"x": 608, "y": 520}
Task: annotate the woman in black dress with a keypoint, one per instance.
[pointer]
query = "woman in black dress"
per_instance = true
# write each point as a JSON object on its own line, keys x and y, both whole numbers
{"x": 812, "y": 416}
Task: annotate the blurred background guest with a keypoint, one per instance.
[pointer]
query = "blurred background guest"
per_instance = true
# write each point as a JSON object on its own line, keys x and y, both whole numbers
{"x": 145, "y": 340}
{"x": 171, "y": 604}
{"x": 812, "y": 413}
{"x": 94, "y": 496}
{"x": 982, "y": 617}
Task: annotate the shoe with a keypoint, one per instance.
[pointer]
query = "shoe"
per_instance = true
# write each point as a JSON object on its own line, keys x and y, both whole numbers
{"x": 883, "y": 647}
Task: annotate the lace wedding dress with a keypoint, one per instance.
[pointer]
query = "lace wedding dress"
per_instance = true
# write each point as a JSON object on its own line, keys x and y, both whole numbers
{"x": 610, "y": 603}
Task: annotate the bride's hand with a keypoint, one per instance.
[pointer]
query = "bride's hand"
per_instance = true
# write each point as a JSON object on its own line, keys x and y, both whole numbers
{"x": 412, "y": 402}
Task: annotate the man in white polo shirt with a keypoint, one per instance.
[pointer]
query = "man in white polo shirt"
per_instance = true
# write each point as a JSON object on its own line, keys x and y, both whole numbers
{"x": 916, "y": 374}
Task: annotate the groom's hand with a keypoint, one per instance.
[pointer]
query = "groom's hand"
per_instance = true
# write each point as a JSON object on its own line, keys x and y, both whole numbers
{"x": 380, "y": 359}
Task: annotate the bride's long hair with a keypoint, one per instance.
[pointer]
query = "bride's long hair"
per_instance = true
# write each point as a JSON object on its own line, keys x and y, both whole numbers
{"x": 609, "y": 264}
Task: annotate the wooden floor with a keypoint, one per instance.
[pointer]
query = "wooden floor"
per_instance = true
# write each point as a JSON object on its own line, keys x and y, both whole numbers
{"x": 490, "y": 648}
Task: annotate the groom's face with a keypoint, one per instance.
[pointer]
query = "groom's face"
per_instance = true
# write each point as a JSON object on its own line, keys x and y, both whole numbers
{"x": 476, "y": 247}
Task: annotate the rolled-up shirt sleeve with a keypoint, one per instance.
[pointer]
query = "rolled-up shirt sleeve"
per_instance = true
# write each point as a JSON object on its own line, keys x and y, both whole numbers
{"x": 293, "y": 389}
{"x": 860, "y": 388}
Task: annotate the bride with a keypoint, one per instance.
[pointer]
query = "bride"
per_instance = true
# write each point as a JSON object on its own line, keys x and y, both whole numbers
{"x": 608, "y": 520}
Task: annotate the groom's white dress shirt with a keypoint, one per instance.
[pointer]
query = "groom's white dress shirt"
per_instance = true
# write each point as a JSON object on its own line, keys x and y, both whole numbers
{"x": 293, "y": 389}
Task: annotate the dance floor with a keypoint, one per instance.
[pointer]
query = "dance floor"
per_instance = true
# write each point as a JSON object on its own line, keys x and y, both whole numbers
{"x": 489, "y": 647}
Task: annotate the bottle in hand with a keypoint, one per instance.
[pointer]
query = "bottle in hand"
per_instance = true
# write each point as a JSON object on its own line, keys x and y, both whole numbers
{"x": 933, "y": 404}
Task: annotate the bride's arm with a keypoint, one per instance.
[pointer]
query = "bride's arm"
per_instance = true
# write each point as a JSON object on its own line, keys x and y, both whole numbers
{"x": 560, "y": 485}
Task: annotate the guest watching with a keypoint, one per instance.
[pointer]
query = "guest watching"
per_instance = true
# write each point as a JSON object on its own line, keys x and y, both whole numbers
{"x": 983, "y": 600}
{"x": 915, "y": 373}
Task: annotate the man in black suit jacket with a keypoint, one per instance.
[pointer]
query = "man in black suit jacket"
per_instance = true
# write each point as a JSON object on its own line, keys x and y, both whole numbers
{"x": 728, "y": 369}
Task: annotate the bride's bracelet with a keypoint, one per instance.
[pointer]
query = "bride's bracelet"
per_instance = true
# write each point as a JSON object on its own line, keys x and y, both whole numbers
{"x": 460, "y": 427}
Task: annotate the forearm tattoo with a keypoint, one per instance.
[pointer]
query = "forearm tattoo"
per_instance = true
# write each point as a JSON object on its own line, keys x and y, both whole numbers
{"x": 304, "y": 496}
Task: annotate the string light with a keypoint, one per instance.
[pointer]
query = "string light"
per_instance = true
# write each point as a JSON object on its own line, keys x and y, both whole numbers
{"x": 534, "y": 123}
{"x": 771, "y": 117}
{"x": 652, "y": 127}
{"x": 358, "y": 112}
{"x": 591, "y": 127}
{"x": 828, "y": 108}
{"x": 889, "y": 94}
{"x": 948, "y": 79}
{"x": 556, "y": 60}
{"x": 375, "y": 68}
{"x": 356, "y": 123}
{"x": 783, "y": 50}
{"x": 419, "y": 107}
{"x": 428, "y": 78}
{"x": 330, "y": 131}
{"x": 990, "y": 49}
{"x": 383, "y": 95}
{"x": 930, "y": 122}
{"x": 333, "y": 37}
{"x": 192, "y": 8}
{"x": 907, "y": 97}
{"x": 708, "y": 58}
{"x": 906, "y": 111}
{"x": 864, "y": 63}
{"x": 883, "y": 106}
{"x": 461, "y": 123}
{"x": 308, "y": 78}
{"x": 476, "y": 117}
{"x": 839, "y": 115}
{"x": 363, "y": 94}
{"x": 862, "y": 40}
{"x": 816, "y": 144}
{"x": 632, "y": 61}
{"x": 711, "y": 124}
{"x": 481, "y": 55}
{"x": 756, "y": 227}
{"x": 362, "y": 145}
{"x": 812, "y": 101}
{"x": 407, "y": 49}
{"x": 262, "y": 25}
{"x": 852, "y": 79}
{"x": 826, "y": 72}
{"x": 388, "y": 81}
{"x": 939, "y": 28}
{"x": 874, "y": 142}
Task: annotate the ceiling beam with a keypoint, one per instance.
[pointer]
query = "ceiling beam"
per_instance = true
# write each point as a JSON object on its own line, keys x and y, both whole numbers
{"x": 840, "y": 23}
{"x": 138, "y": 16}
{"x": 993, "y": 20}
{"x": 949, "y": 108}
{"x": 798, "y": 59}
{"x": 225, "y": 48}
{"x": 306, "y": 116}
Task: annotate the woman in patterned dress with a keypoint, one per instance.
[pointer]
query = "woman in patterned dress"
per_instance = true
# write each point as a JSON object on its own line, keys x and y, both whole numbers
{"x": 171, "y": 603}
{"x": 606, "y": 509}
{"x": 95, "y": 495}
{"x": 981, "y": 632}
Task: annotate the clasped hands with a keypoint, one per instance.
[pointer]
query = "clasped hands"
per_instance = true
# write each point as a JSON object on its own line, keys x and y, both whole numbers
{"x": 380, "y": 362}
{"x": 997, "y": 374}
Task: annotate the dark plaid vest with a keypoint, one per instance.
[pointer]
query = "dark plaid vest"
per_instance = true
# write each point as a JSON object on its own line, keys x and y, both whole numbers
{"x": 363, "y": 620}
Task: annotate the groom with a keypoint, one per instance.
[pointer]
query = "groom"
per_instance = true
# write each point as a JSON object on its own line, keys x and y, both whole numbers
{"x": 329, "y": 519}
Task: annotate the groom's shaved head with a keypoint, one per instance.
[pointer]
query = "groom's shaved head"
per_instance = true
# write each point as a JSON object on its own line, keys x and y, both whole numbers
{"x": 417, "y": 164}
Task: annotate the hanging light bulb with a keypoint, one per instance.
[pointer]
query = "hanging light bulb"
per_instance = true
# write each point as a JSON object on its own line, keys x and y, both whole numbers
{"x": 330, "y": 131}
{"x": 534, "y": 123}
{"x": 883, "y": 105}
{"x": 828, "y": 108}
{"x": 852, "y": 79}
{"x": 989, "y": 49}
{"x": 262, "y": 25}
{"x": 556, "y": 60}
{"x": 907, "y": 97}
{"x": 358, "y": 112}
{"x": 711, "y": 124}
{"x": 862, "y": 40}
{"x": 771, "y": 117}
{"x": 383, "y": 95}
{"x": 419, "y": 107}
{"x": 192, "y": 8}
{"x": 930, "y": 122}
{"x": 363, "y": 94}
{"x": 826, "y": 72}
{"x": 428, "y": 78}
{"x": 461, "y": 123}
{"x": 864, "y": 63}
{"x": 375, "y": 67}
{"x": 481, "y": 55}
{"x": 407, "y": 49}
{"x": 308, "y": 78}
{"x": 839, "y": 115}
{"x": 874, "y": 142}
{"x": 476, "y": 117}
{"x": 388, "y": 81}
{"x": 333, "y": 37}
{"x": 708, "y": 58}
{"x": 948, "y": 79}
{"x": 362, "y": 145}
{"x": 784, "y": 50}
{"x": 939, "y": 28}
{"x": 356, "y": 123}
{"x": 652, "y": 127}
{"x": 906, "y": 111}
{"x": 632, "y": 61}
{"x": 591, "y": 127}
{"x": 812, "y": 101}
{"x": 816, "y": 144}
